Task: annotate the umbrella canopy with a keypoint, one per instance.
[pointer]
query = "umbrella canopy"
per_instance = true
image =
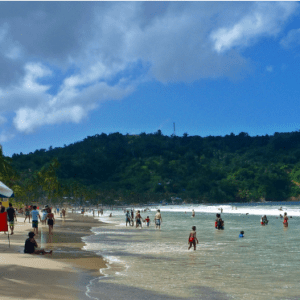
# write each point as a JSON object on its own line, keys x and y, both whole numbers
{"x": 5, "y": 192}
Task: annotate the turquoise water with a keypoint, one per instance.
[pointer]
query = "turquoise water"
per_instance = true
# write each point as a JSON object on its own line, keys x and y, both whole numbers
{"x": 263, "y": 265}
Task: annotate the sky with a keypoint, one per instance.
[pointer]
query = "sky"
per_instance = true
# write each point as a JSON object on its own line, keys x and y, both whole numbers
{"x": 69, "y": 70}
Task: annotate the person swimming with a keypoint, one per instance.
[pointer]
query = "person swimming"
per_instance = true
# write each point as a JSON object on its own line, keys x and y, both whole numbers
{"x": 241, "y": 234}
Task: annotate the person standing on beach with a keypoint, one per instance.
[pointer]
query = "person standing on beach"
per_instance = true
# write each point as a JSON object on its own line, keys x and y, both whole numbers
{"x": 285, "y": 220}
{"x": 132, "y": 217}
{"x": 147, "y": 220}
{"x": 44, "y": 215}
{"x": 31, "y": 245}
{"x": 158, "y": 219}
{"x": 138, "y": 219}
{"x": 193, "y": 214}
{"x": 127, "y": 217}
{"x": 35, "y": 221}
{"x": 11, "y": 216}
{"x": 192, "y": 238}
{"x": 51, "y": 220}
{"x": 27, "y": 213}
{"x": 63, "y": 211}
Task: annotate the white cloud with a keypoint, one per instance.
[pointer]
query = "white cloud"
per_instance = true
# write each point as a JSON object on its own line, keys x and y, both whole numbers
{"x": 264, "y": 20}
{"x": 69, "y": 105}
{"x": 105, "y": 43}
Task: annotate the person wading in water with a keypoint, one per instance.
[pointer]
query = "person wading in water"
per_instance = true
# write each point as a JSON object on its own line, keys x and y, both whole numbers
{"x": 192, "y": 238}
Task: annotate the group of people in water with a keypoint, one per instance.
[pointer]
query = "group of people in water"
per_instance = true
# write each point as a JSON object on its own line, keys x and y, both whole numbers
{"x": 130, "y": 218}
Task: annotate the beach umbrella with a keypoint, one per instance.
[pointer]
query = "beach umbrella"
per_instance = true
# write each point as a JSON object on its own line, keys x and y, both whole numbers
{"x": 5, "y": 192}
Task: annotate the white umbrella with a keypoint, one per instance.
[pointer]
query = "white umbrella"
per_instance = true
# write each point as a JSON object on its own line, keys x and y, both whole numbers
{"x": 5, "y": 192}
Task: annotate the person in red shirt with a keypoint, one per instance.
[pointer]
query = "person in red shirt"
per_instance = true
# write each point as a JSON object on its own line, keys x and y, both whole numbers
{"x": 147, "y": 220}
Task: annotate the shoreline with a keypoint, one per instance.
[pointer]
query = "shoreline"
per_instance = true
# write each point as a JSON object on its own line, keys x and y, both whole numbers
{"x": 68, "y": 238}
{"x": 63, "y": 275}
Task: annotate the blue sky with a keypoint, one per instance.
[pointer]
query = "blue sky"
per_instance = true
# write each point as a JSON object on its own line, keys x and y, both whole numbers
{"x": 76, "y": 69}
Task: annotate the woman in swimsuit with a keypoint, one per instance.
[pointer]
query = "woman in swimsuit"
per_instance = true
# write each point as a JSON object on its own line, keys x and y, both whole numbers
{"x": 192, "y": 238}
{"x": 285, "y": 220}
{"x": 50, "y": 217}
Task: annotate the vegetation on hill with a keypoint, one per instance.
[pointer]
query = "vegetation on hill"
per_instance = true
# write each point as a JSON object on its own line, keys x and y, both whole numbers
{"x": 152, "y": 167}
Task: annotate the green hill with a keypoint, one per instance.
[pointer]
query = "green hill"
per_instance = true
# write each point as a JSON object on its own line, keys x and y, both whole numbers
{"x": 151, "y": 167}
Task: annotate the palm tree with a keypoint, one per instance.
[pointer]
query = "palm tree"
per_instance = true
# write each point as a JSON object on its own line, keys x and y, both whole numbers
{"x": 6, "y": 170}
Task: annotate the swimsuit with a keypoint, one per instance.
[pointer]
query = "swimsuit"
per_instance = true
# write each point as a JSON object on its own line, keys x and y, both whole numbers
{"x": 50, "y": 222}
{"x": 157, "y": 222}
{"x": 35, "y": 224}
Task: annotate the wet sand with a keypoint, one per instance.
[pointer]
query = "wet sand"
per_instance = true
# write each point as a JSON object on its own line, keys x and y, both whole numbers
{"x": 64, "y": 275}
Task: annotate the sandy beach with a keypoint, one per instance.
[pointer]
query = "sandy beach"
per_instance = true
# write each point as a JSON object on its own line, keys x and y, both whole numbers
{"x": 64, "y": 275}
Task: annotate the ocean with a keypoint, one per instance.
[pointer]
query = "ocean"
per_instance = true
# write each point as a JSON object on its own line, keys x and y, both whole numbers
{"x": 148, "y": 262}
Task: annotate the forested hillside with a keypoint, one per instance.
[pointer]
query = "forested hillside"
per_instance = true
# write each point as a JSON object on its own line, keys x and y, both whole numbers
{"x": 151, "y": 167}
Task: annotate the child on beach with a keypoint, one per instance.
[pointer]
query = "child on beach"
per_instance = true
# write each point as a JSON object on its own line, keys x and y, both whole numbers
{"x": 147, "y": 220}
{"x": 241, "y": 234}
{"x": 31, "y": 245}
{"x": 192, "y": 238}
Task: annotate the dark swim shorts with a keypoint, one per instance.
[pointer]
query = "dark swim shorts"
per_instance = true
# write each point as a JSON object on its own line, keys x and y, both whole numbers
{"x": 35, "y": 224}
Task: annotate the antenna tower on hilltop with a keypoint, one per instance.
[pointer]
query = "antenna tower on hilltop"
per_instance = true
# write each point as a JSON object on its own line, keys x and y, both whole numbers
{"x": 174, "y": 129}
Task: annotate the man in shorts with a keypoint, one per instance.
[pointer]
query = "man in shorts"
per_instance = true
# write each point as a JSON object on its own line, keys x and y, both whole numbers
{"x": 35, "y": 221}
{"x": 158, "y": 219}
{"x": 11, "y": 216}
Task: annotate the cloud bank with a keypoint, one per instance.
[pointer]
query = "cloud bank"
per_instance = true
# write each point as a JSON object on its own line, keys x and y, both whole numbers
{"x": 61, "y": 60}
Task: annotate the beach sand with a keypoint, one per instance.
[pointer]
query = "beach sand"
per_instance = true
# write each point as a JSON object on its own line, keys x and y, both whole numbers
{"x": 64, "y": 275}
